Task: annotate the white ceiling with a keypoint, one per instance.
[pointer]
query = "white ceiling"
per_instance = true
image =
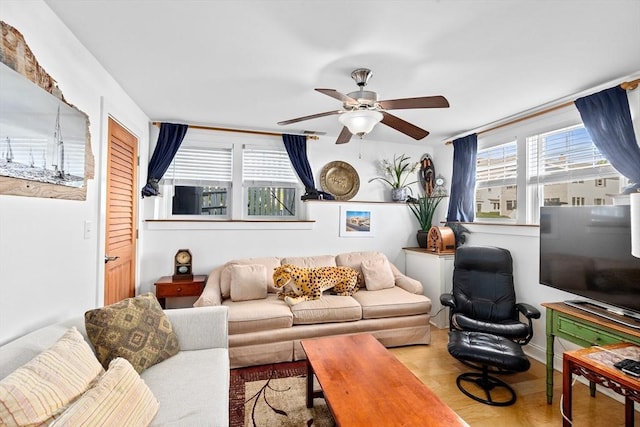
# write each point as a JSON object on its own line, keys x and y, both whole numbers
{"x": 252, "y": 63}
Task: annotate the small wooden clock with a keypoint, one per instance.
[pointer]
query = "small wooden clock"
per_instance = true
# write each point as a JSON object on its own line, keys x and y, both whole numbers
{"x": 441, "y": 240}
{"x": 439, "y": 190}
{"x": 183, "y": 265}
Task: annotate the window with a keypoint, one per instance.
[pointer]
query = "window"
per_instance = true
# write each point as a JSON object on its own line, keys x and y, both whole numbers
{"x": 223, "y": 177}
{"x": 270, "y": 183}
{"x": 201, "y": 179}
{"x": 546, "y": 159}
{"x": 577, "y": 201}
{"x": 565, "y": 167}
{"x": 496, "y": 171}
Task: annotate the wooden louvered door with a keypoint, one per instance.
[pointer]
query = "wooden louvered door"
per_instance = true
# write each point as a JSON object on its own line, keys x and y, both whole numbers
{"x": 121, "y": 223}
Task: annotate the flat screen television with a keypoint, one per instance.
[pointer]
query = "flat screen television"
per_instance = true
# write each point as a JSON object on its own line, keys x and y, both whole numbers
{"x": 586, "y": 250}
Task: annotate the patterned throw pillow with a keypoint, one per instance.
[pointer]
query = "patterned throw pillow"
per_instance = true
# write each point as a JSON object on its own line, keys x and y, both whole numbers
{"x": 135, "y": 328}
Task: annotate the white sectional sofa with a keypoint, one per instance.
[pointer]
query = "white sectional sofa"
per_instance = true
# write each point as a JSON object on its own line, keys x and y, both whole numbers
{"x": 192, "y": 387}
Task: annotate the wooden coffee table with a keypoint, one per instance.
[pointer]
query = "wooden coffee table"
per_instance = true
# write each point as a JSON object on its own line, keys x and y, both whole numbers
{"x": 365, "y": 385}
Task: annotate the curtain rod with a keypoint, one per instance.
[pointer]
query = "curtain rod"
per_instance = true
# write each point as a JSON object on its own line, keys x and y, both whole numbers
{"x": 625, "y": 85}
{"x": 254, "y": 132}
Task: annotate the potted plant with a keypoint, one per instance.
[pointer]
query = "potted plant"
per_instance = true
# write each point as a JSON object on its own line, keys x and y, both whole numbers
{"x": 423, "y": 209}
{"x": 396, "y": 174}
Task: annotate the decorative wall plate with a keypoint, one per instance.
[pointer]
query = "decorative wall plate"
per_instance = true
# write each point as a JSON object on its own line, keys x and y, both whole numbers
{"x": 340, "y": 179}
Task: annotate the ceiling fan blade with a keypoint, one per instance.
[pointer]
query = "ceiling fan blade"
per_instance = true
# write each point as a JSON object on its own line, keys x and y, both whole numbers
{"x": 403, "y": 126}
{"x": 312, "y": 116}
{"x": 421, "y": 102}
{"x": 345, "y": 136}
{"x": 339, "y": 96}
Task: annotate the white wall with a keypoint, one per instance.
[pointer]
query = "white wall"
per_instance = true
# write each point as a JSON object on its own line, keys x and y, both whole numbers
{"x": 48, "y": 270}
{"x": 214, "y": 244}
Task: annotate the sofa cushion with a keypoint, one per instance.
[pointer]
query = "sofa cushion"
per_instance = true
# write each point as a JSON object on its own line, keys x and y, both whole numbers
{"x": 258, "y": 315}
{"x": 271, "y": 263}
{"x": 355, "y": 259}
{"x": 192, "y": 388}
{"x": 248, "y": 282}
{"x": 311, "y": 261}
{"x": 393, "y": 302}
{"x": 42, "y": 388}
{"x": 120, "y": 397}
{"x": 134, "y": 328}
{"x": 377, "y": 274}
{"x": 327, "y": 309}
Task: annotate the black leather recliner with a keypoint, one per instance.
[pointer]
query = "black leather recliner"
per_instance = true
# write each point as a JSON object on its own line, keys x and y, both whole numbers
{"x": 486, "y": 332}
{"x": 483, "y": 297}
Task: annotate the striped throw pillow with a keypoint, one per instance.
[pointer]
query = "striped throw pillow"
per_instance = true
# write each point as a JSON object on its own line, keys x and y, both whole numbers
{"x": 41, "y": 389}
{"x": 119, "y": 398}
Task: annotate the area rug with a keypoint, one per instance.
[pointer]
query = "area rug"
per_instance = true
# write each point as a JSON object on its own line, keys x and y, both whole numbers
{"x": 274, "y": 395}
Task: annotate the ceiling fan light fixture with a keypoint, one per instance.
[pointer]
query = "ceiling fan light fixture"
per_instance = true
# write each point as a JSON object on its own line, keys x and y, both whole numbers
{"x": 360, "y": 122}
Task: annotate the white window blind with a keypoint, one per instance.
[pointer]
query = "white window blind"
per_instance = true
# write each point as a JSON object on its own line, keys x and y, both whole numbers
{"x": 565, "y": 155}
{"x": 200, "y": 166}
{"x": 497, "y": 166}
{"x": 267, "y": 165}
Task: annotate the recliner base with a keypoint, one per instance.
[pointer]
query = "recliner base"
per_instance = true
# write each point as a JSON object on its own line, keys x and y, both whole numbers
{"x": 487, "y": 383}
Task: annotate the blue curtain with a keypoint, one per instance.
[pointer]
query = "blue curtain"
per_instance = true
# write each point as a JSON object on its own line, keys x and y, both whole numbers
{"x": 169, "y": 140}
{"x": 296, "y": 146}
{"x": 607, "y": 117}
{"x": 463, "y": 180}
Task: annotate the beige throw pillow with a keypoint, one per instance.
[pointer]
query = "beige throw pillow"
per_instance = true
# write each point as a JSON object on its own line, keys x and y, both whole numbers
{"x": 248, "y": 282}
{"x": 271, "y": 263}
{"x": 377, "y": 274}
{"x": 134, "y": 328}
{"x": 42, "y": 388}
{"x": 119, "y": 398}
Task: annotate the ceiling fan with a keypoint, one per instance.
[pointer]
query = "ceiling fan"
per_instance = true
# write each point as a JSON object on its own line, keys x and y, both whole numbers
{"x": 361, "y": 110}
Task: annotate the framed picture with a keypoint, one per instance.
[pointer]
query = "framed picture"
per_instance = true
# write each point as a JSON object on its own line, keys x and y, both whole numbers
{"x": 45, "y": 145}
{"x": 356, "y": 221}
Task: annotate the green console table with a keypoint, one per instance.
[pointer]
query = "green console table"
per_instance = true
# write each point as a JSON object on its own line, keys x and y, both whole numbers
{"x": 584, "y": 329}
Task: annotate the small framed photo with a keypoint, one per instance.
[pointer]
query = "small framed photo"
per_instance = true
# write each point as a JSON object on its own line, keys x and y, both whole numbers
{"x": 356, "y": 221}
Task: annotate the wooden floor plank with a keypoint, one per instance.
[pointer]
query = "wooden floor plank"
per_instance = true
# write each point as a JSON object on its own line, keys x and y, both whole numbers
{"x": 438, "y": 370}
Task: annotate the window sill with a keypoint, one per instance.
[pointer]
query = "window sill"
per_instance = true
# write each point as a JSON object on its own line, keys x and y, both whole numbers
{"x": 356, "y": 202}
{"x": 207, "y": 224}
{"x": 527, "y": 230}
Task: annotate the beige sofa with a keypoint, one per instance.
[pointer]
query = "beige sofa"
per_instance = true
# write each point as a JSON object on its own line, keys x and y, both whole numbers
{"x": 264, "y": 329}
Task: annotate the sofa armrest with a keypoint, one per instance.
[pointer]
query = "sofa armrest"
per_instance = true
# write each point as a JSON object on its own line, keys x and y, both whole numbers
{"x": 200, "y": 327}
{"x": 405, "y": 282}
{"x": 211, "y": 294}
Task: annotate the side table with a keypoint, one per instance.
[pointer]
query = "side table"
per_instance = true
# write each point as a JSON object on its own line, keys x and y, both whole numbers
{"x": 596, "y": 364}
{"x": 166, "y": 287}
{"x": 584, "y": 329}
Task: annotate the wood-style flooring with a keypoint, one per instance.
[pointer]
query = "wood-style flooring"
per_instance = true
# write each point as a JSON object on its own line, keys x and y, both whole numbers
{"x": 438, "y": 370}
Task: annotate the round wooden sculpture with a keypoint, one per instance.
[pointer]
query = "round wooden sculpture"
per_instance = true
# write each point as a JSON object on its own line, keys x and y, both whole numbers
{"x": 441, "y": 240}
